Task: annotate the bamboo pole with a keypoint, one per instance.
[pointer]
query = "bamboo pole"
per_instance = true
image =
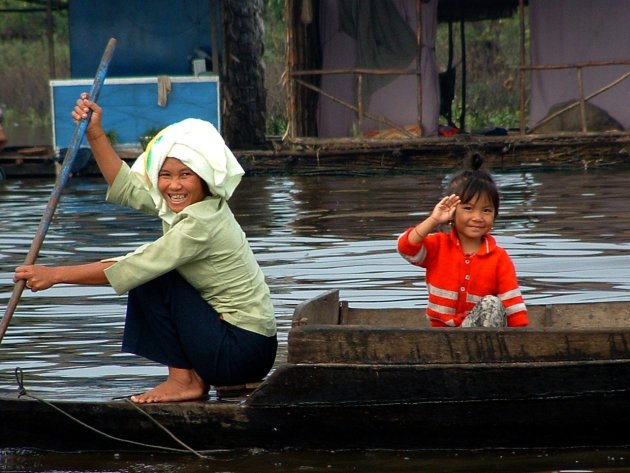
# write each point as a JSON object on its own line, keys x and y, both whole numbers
{"x": 50, "y": 39}
{"x": 521, "y": 72}
{"x": 360, "y": 100}
{"x": 419, "y": 66}
{"x": 353, "y": 70}
{"x": 383, "y": 120}
{"x": 62, "y": 179}
{"x": 580, "y": 83}
{"x": 549, "y": 67}
{"x": 290, "y": 82}
{"x": 586, "y": 99}
{"x": 214, "y": 38}
{"x": 462, "y": 38}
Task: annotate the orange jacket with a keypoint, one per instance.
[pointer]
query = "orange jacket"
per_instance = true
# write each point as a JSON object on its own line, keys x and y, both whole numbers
{"x": 456, "y": 282}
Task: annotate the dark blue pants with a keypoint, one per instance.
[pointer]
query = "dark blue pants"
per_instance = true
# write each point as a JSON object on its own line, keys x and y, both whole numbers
{"x": 170, "y": 323}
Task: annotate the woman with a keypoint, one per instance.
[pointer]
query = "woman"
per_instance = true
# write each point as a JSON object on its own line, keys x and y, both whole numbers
{"x": 198, "y": 302}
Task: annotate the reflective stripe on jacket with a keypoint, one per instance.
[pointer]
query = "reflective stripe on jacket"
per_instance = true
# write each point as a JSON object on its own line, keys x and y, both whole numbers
{"x": 456, "y": 282}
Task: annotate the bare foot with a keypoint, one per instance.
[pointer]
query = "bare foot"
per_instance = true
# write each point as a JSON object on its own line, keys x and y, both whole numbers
{"x": 181, "y": 385}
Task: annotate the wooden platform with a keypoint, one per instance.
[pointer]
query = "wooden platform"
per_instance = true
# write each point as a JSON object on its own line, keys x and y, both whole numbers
{"x": 504, "y": 153}
{"x": 315, "y": 156}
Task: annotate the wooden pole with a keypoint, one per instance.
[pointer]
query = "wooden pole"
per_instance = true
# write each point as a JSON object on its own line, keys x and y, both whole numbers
{"x": 586, "y": 99}
{"x": 462, "y": 38}
{"x": 50, "y": 38}
{"x": 521, "y": 72}
{"x": 214, "y": 36}
{"x": 62, "y": 179}
{"x": 419, "y": 65}
{"x": 290, "y": 80}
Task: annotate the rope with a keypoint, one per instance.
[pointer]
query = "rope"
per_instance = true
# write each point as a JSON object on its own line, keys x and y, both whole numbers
{"x": 171, "y": 434}
{"x": 19, "y": 377}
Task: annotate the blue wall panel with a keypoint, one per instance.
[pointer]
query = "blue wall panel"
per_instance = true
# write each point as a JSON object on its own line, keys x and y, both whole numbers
{"x": 154, "y": 37}
{"x": 130, "y": 106}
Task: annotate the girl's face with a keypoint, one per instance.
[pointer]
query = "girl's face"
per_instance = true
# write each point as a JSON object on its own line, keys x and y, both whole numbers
{"x": 473, "y": 219}
{"x": 179, "y": 185}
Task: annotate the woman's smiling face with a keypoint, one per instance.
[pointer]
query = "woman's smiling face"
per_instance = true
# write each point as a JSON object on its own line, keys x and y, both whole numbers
{"x": 179, "y": 185}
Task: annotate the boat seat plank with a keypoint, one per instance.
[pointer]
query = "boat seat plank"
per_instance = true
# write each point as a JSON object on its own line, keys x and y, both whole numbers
{"x": 606, "y": 314}
{"x": 395, "y": 345}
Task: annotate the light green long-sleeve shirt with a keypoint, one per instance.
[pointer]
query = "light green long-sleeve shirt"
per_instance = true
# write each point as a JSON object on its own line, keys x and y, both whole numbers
{"x": 207, "y": 246}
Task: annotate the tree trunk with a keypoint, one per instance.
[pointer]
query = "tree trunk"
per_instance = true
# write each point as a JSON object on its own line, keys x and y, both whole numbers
{"x": 242, "y": 75}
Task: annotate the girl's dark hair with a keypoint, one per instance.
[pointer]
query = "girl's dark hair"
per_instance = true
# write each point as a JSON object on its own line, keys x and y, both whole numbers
{"x": 475, "y": 182}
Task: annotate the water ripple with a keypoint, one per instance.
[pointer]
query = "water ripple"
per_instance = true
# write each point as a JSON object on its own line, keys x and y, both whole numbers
{"x": 568, "y": 233}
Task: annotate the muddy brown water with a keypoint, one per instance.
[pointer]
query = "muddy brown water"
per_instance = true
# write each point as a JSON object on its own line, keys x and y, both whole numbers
{"x": 568, "y": 233}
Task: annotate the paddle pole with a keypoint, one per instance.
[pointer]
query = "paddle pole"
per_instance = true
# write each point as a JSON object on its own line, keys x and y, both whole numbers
{"x": 62, "y": 179}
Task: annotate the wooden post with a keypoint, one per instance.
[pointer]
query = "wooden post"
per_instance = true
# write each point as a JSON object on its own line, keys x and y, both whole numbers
{"x": 50, "y": 38}
{"x": 214, "y": 38}
{"x": 290, "y": 65}
{"x": 462, "y": 37}
{"x": 580, "y": 84}
{"x": 360, "y": 100}
{"x": 419, "y": 65}
{"x": 521, "y": 72}
{"x": 242, "y": 81}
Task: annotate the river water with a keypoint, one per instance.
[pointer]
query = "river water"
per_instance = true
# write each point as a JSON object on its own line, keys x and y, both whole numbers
{"x": 567, "y": 232}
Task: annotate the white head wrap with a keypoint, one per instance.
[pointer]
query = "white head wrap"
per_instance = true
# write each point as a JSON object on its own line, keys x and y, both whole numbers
{"x": 198, "y": 145}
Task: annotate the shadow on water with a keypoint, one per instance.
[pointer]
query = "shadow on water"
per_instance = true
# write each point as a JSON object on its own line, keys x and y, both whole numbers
{"x": 568, "y": 234}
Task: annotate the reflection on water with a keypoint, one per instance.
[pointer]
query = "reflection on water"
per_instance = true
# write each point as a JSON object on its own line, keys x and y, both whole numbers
{"x": 257, "y": 461}
{"x": 568, "y": 234}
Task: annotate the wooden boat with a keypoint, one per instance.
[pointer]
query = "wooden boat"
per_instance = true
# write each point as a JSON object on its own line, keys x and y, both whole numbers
{"x": 381, "y": 378}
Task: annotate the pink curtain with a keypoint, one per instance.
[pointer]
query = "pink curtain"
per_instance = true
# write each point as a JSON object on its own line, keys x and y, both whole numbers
{"x": 570, "y": 31}
{"x": 396, "y": 100}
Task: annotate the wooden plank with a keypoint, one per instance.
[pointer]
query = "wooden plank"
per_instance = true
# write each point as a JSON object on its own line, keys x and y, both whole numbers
{"x": 386, "y": 317}
{"x": 299, "y": 384}
{"x": 323, "y": 309}
{"x": 383, "y": 345}
{"x": 604, "y": 314}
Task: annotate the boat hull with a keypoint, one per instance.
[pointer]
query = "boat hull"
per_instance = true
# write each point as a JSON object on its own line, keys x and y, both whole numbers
{"x": 382, "y": 379}
{"x": 351, "y": 407}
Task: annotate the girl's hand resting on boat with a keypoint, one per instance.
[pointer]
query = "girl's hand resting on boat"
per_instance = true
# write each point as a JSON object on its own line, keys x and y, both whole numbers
{"x": 444, "y": 211}
{"x": 38, "y": 278}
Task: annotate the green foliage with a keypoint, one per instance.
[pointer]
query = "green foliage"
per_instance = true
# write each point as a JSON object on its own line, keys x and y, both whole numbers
{"x": 24, "y": 61}
{"x": 25, "y": 117}
{"x": 276, "y": 124}
{"x": 274, "y": 58}
{"x": 274, "y": 29}
{"x": 148, "y": 135}
{"x": 493, "y": 60}
{"x": 27, "y": 20}
{"x": 112, "y": 135}
{"x": 274, "y": 10}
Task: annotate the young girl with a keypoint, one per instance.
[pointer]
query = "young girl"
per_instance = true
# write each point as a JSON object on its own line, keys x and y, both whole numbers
{"x": 198, "y": 302}
{"x": 471, "y": 280}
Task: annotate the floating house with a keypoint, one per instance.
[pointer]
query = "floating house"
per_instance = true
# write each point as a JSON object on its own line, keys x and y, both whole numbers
{"x": 362, "y": 75}
{"x": 363, "y": 84}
